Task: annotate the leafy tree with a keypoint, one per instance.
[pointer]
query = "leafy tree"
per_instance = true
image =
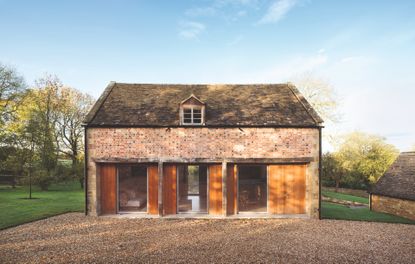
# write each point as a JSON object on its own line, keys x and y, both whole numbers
{"x": 332, "y": 171}
{"x": 365, "y": 158}
{"x": 12, "y": 90}
{"x": 43, "y": 118}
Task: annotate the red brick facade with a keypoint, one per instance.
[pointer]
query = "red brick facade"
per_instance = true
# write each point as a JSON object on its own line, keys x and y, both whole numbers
{"x": 202, "y": 142}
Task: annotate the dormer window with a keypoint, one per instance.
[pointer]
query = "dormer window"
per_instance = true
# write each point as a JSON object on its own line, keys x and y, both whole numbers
{"x": 192, "y": 111}
{"x": 192, "y": 115}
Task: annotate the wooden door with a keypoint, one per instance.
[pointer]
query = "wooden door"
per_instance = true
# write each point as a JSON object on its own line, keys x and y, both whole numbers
{"x": 231, "y": 189}
{"x": 169, "y": 189}
{"x": 108, "y": 182}
{"x": 286, "y": 187}
{"x": 153, "y": 189}
{"x": 215, "y": 189}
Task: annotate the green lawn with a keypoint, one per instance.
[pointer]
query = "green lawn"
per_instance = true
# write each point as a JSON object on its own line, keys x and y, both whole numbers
{"x": 347, "y": 197}
{"x": 60, "y": 198}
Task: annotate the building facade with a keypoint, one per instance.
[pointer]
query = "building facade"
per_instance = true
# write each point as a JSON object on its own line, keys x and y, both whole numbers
{"x": 221, "y": 150}
{"x": 394, "y": 193}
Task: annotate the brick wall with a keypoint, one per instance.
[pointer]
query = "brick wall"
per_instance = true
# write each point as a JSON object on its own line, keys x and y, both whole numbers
{"x": 213, "y": 143}
{"x": 400, "y": 207}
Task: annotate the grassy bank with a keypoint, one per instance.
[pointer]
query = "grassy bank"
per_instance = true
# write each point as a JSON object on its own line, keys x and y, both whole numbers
{"x": 342, "y": 212}
{"x": 17, "y": 209}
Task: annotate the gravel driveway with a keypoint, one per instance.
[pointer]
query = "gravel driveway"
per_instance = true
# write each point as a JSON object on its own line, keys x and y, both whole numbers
{"x": 76, "y": 238}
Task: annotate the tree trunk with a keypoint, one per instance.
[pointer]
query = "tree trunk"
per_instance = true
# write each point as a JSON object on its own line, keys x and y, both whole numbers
{"x": 337, "y": 185}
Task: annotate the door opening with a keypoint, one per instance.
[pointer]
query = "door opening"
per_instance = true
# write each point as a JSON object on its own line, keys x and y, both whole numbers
{"x": 192, "y": 188}
{"x": 132, "y": 188}
{"x": 252, "y": 188}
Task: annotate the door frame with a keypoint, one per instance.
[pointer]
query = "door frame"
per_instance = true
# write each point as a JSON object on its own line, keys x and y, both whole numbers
{"x": 207, "y": 187}
{"x": 118, "y": 189}
{"x": 237, "y": 187}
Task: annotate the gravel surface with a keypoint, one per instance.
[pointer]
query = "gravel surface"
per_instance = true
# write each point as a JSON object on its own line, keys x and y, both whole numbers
{"x": 79, "y": 239}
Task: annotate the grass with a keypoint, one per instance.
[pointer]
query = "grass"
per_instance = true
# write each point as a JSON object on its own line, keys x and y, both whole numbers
{"x": 60, "y": 198}
{"x": 69, "y": 197}
{"x": 341, "y": 212}
{"x": 346, "y": 197}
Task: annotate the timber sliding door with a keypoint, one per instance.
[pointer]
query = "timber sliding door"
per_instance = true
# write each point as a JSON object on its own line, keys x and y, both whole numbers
{"x": 286, "y": 186}
{"x": 231, "y": 189}
{"x": 128, "y": 188}
{"x": 108, "y": 192}
{"x": 153, "y": 189}
{"x": 169, "y": 189}
{"x": 215, "y": 189}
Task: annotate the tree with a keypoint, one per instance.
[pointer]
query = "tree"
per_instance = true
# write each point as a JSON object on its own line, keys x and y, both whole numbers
{"x": 365, "y": 158}
{"x": 12, "y": 89}
{"x": 321, "y": 95}
{"x": 44, "y": 115}
{"x": 332, "y": 171}
{"x": 73, "y": 108}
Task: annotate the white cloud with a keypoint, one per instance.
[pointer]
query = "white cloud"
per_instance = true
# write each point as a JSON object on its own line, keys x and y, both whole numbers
{"x": 235, "y": 41}
{"x": 297, "y": 65}
{"x": 200, "y": 11}
{"x": 191, "y": 29}
{"x": 277, "y": 11}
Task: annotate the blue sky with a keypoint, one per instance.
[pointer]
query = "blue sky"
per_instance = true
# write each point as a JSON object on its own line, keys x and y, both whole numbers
{"x": 365, "y": 49}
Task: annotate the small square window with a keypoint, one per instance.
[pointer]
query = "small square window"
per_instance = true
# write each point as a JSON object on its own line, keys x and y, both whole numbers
{"x": 192, "y": 115}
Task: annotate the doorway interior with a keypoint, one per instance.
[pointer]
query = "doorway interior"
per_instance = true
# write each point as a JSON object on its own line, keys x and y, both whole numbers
{"x": 192, "y": 191}
{"x": 252, "y": 188}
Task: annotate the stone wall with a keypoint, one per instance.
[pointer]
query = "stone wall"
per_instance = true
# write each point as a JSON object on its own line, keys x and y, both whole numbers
{"x": 400, "y": 207}
{"x": 207, "y": 143}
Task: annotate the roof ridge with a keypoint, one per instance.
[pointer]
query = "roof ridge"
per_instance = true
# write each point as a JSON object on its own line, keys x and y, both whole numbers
{"x": 197, "y": 84}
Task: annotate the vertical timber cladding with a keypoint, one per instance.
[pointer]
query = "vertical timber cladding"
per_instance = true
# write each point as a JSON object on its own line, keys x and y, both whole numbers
{"x": 286, "y": 187}
{"x": 231, "y": 188}
{"x": 169, "y": 189}
{"x": 153, "y": 179}
{"x": 108, "y": 181}
{"x": 215, "y": 189}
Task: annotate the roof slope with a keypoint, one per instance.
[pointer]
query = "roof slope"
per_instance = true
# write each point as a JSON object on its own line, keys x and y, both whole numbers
{"x": 399, "y": 180}
{"x": 124, "y": 104}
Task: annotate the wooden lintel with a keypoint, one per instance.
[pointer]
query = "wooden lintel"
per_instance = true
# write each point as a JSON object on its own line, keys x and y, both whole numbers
{"x": 302, "y": 160}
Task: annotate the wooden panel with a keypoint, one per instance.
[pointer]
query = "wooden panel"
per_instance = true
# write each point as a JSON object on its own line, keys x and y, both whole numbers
{"x": 153, "y": 180}
{"x": 231, "y": 188}
{"x": 215, "y": 189}
{"x": 108, "y": 182}
{"x": 286, "y": 186}
{"x": 169, "y": 189}
{"x": 276, "y": 199}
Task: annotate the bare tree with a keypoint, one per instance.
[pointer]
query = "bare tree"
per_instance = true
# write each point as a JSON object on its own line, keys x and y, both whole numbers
{"x": 321, "y": 96}
{"x": 74, "y": 105}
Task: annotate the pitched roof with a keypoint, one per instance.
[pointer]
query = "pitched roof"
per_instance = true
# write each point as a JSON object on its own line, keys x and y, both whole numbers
{"x": 123, "y": 104}
{"x": 399, "y": 180}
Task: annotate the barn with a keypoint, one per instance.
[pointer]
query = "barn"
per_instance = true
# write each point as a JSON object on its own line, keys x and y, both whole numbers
{"x": 203, "y": 150}
{"x": 394, "y": 193}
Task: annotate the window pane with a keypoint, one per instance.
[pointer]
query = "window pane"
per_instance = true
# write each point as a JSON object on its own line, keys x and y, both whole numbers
{"x": 197, "y": 120}
{"x": 197, "y": 111}
{"x": 187, "y": 111}
{"x": 187, "y": 115}
{"x": 187, "y": 120}
{"x": 197, "y": 115}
